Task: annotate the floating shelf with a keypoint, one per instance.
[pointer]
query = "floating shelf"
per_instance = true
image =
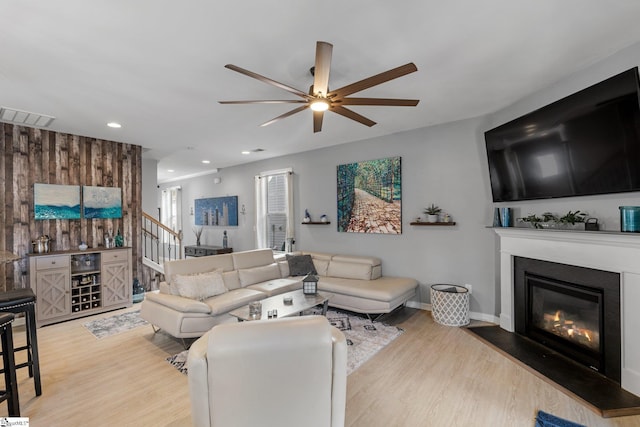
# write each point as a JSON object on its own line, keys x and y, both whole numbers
{"x": 317, "y": 223}
{"x": 433, "y": 223}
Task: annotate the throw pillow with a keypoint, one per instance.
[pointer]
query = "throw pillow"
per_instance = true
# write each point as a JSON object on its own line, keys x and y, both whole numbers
{"x": 199, "y": 286}
{"x": 301, "y": 265}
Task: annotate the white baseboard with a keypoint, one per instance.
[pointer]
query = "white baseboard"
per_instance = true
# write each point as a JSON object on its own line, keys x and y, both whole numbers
{"x": 472, "y": 314}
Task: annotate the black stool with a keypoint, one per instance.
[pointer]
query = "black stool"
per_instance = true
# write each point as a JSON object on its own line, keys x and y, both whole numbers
{"x": 10, "y": 393}
{"x": 24, "y": 301}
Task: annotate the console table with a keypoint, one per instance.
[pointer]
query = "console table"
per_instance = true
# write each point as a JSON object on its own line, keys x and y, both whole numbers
{"x": 203, "y": 250}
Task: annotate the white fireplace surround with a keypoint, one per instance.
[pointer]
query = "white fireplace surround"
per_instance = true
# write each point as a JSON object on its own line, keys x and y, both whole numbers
{"x": 608, "y": 251}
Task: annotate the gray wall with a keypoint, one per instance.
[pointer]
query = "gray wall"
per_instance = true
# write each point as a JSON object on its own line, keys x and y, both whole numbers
{"x": 445, "y": 165}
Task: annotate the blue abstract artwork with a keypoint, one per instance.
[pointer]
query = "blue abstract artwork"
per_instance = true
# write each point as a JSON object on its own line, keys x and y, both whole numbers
{"x": 101, "y": 202}
{"x": 221, "y": 211}
{"x": 51, "y": 201}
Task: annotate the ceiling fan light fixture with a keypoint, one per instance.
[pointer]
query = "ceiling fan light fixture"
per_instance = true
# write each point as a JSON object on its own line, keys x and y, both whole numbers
{"x": 320, "y": 104}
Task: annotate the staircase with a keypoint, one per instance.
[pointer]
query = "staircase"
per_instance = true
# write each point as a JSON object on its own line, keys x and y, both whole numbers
{"x": 159, "y": 243}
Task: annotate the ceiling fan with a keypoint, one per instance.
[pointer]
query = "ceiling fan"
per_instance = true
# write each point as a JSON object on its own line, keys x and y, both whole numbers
{"x": 321, "y": 99}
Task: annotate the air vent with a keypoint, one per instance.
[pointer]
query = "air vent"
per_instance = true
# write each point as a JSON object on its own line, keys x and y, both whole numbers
{"x": 257, "y": 150}
{"x": 19, "y": 117}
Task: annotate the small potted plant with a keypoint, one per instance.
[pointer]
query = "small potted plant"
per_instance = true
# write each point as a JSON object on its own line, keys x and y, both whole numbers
{"x": 533, "y": 219}
{"x": 573, "y": 220}
{"x": 432, "y": 212}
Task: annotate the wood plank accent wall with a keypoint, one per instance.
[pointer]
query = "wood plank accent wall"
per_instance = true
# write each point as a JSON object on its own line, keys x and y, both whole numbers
{"x": 28, "y": 156}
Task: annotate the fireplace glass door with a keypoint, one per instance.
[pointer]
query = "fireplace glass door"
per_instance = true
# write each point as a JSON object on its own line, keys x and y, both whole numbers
{"x": 567, "y": 318}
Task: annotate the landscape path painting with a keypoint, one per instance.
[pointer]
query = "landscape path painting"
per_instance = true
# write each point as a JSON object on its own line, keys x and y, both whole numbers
{"x": 370, "y": 196}
{"x": 53, "y": 201}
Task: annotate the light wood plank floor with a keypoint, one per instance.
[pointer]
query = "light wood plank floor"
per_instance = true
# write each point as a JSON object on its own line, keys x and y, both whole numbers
{"x": 431, "y": 375}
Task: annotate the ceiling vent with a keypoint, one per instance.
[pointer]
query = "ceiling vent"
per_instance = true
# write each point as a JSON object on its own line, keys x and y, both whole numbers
{"x": 19, "y": 117}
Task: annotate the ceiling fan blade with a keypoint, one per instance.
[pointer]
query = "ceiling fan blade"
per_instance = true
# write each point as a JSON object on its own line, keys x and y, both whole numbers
{"x": 379, "y": 101}
{"x": 352, "y": 115}
{"x": 322, "y": 68}
{"x": 267, "y": 80}
{"x": 317, "y": 121}
{"x": 285, "y": 115}
{"x": 374, "y": 80}
{"x": 267, "y": 101}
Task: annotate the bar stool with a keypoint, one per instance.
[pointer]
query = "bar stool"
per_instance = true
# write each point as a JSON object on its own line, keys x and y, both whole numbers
{"x": 10, "y": 393}
{"x": 24, "y": 301}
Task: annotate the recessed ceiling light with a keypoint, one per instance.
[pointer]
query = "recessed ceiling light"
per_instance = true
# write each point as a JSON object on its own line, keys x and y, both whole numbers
{"x": 170, "y": 170}
{"x": 206, "y": 162}
{"x": 114, "y": 125}
{"x": 246, "y": 152}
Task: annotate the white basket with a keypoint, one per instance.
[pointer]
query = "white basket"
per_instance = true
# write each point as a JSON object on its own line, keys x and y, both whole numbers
{"x": 450, "y": 305}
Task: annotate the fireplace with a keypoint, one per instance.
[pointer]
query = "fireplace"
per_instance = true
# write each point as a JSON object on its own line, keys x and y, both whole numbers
{"x": 572, "y": 310}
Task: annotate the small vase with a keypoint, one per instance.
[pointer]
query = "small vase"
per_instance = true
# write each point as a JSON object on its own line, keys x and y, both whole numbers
{"x": 197, "y": 242}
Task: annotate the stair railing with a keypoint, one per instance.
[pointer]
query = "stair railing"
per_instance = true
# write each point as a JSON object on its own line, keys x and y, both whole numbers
{"x": 159, "y": 242}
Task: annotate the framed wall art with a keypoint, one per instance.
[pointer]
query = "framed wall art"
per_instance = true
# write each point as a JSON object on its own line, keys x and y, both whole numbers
{"x": 52, "y": 201}
{"x": 370, "y": 196}
{"x": 217, "y": 211}
{"x": 101, "y": 202}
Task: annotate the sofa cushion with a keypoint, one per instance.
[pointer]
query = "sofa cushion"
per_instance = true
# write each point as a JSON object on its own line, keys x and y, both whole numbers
{"x": 383, "y": 289}
{"x": 231, "y": 279}
{"x": 301, "y": 265}
{"x": 284, "y": 268}
{"x": 197, "y": 265}
{"x": 349, "y": 270}
{"x": 254, "y": 258}
{"x": 231, "y": 300}
{"x": 199, "y": 286}
{"x": 250, "y": 276}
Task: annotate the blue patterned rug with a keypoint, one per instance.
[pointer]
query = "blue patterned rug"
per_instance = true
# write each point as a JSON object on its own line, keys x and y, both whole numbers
{"x": 108, "y": 326}
{"x": 364, "y": 339}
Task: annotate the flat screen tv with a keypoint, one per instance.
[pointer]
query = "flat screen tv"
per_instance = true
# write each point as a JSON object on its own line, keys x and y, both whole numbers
{"x": 587, "y": 143}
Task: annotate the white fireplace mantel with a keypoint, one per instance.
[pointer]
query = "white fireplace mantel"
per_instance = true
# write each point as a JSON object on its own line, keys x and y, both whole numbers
{"x": 608, "y": 251}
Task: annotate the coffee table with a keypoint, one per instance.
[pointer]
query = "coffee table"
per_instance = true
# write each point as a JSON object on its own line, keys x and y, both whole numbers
{"x": 300, "y": 302}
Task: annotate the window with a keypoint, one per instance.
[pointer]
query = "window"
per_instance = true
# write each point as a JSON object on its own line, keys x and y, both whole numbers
{"x": 171, "y": 208}
{"x": 274, "y": 210}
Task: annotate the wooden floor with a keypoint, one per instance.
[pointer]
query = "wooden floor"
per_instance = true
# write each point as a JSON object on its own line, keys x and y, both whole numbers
{"x": 431, "y": 375}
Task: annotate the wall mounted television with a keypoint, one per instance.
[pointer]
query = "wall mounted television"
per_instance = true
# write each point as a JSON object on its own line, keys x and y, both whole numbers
{"x": 587, "y": 143}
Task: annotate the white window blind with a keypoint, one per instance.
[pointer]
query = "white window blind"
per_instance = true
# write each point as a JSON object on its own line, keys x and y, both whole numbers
{"x": 274, "y": 202}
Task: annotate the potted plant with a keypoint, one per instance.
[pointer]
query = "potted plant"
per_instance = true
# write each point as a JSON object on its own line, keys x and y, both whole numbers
{"x": 572, "y": 219}
{"x": 533, "y": 219}
{"x": 432, "y": 212}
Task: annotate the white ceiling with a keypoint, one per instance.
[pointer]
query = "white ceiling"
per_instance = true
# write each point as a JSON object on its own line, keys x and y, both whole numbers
{"x": 157, "y": 66}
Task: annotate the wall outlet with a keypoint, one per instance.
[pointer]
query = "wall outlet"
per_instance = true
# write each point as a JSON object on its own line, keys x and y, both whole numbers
{"x": 468, "y": 286}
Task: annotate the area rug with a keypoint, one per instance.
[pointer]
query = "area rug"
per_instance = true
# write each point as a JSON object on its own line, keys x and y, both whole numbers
{"x": 364, "y": 339}
{"x": 108, "y": 326}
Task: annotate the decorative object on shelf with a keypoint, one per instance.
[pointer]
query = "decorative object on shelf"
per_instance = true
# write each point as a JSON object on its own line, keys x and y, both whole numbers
{"x": 323, "y": 218}
{"x": 629, "y": 218}
{"x": 570, "y": 220}
{"x": 83, "y": 246}
{"x": 370, "y": 196}
{"x": 118, "y": 240}
{"x": 573, "y": 218}
{"x": 310, "y": 284}
{"x": 221, "y": 211}
{"x": 108, "y": 240}
{"x": 307, "y": 217}
{"x": 41, "y": 244}
{"x": 225, "y": 241}
{"x": 591, "y": 224}
{"x": 505, "y": 217}
{"x": 198, "y": 232}
{"x": 432, "y": 213}
{"x": 446, "y": 218}
{"x": 496, "y": 218}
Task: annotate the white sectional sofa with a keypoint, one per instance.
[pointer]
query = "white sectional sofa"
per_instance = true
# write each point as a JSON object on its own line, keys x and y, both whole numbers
{"x": 356, "y": 283}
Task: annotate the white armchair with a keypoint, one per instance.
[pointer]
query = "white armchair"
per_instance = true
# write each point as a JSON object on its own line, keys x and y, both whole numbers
{"x": 277, "y": 372}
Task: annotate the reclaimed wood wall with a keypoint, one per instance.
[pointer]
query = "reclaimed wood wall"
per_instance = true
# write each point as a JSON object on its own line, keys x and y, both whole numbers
{"x": 30, "y": 155}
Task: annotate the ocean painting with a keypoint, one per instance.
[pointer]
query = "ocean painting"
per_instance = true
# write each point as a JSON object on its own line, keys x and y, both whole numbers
{"x": 101, "y": 202}
{"x": 51, "y": 201}
{"x": 220, "y": 211}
